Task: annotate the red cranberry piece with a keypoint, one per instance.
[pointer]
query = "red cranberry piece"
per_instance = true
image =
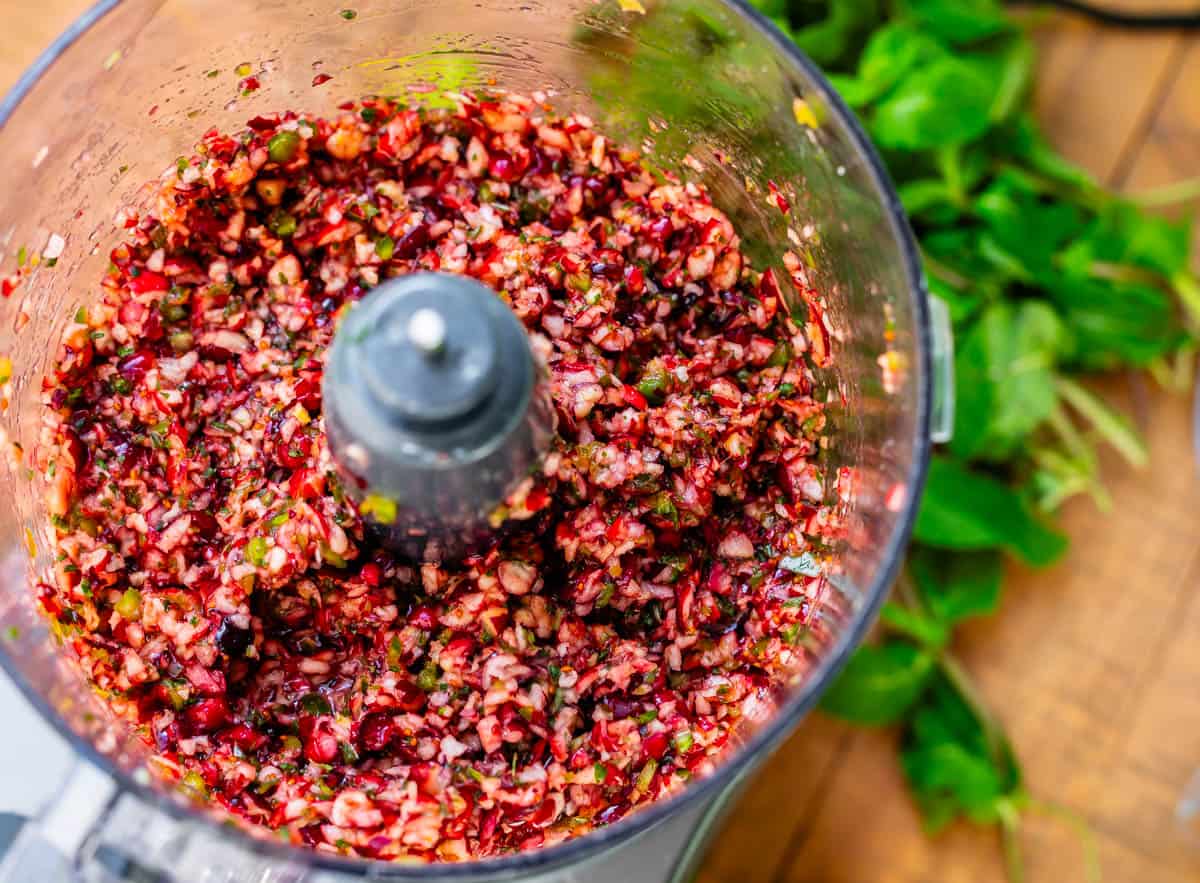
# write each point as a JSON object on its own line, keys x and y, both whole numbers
{"x": 204, "y": 524}
{"x": 635, "y": 279}
{"x": 503, "y": 167}
{"x": 409, "y": 696}
{"x": 136, "y": 365}
{"x": 376, "y": 731}
{"x": 372, "y": 574}
{"x": 293, "y": 454}
{"x": 659, "y": 229}
{"x": 207, "y": 715}
{"x": 655, "y": 745}
{"x": 233, "y": 640}
{"x": 146, "y": 281}
{"x": 321, "y": 745}
{"x": 560, "y": 218}
{"x": 75, "y": 449}
{"x": 217, "y": 354}
{"x": 423, "y": 617}
{"x": 308, "y": 390}
{"x": 305, "y": 484}
{"x": 312, "y": 835}
{"x": 245, "y": 737}
{"x": 411, "y": 242}
{"x": 546, "y": 813}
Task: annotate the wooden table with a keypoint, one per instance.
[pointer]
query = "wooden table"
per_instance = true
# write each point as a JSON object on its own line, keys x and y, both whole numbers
{"x": 1094, "y": 665}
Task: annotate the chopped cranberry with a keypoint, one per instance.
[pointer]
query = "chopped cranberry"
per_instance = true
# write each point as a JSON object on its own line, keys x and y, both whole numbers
{"x": 134, "y": 366}
{"x": 423, "y": 617}
{"x": 409, "y": 697}
{"x": 245, "y": 737}
{"x": 242, "y": 603}
{"x": 233, "y": 640}
{"x": 207, "y": 715}
{"x": 655, "y": 745}
{"x": 147, "y": 281}
{"x": 376, "y": 731}
{"x": 321, "y": 745}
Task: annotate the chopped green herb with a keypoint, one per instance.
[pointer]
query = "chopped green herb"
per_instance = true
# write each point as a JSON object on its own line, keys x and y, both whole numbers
{"x": 283, "y": 146}
{"x": 646, "y": 716}
{"x": 256, "y": 551}
{"x": 129, "y": 606}
{"x": 315, "y": 704}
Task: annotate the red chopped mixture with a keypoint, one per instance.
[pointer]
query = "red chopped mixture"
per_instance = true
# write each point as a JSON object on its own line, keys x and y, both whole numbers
{"x": 218, "y": 586}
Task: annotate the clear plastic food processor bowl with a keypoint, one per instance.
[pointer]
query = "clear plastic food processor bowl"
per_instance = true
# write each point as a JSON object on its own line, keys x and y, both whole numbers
{"x": 706, "y": 87}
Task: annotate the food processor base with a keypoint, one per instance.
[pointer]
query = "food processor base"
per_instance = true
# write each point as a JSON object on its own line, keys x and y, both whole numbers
{"x": 64, "y": 821}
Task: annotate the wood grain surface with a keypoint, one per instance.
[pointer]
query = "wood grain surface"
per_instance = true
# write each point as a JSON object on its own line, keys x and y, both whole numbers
{"x": 1094, "y": 665}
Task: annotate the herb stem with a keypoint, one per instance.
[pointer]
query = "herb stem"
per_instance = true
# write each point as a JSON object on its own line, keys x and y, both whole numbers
{"x": 907, "y": 592}
{"x": 951, "y": 277}
{"x": 965, "y": 685}
{"x": 1072, "y": 440}
{"x": 1187, "y": 289}
{"x": 1092, "y": 198}
{"x": 1010, "y": 841}
{"x": 949, "y": 161}
{"x": 1110, "y": 272}
{"x": 1111, "y": 426}
{"x": 1087, "y": 836}
{"x": 1170, "y": 194}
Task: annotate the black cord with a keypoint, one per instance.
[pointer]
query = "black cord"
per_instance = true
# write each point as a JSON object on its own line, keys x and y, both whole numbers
{"x": 1120, "y": 18}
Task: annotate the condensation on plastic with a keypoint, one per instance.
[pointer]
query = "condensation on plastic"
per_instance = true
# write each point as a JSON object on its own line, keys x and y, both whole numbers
{"x": 133, "y": 91}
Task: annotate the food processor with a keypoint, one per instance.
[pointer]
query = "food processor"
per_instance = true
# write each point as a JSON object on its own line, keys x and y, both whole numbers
{"x": 707, "y": 89}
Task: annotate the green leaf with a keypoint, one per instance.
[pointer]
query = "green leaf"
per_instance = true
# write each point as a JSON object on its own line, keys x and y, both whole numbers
{"x": 957, "y": 585}
{"x": 961, "y": 304}
{"x": 1115, "y": 324}
{"x": 830, "y": 39}
{"x": 1005, "y": 371}
{"x": 924, "y": 195}
{"x": 925, "y": 630}
{"x": 948, "y": 775}
{"x": 944, "y": 103}
{"x": 880, "y": 683}
{"x": 892, "y": 52}
{"x": 954, "y": 764}
{"x": 854, "y": 91}
{"x": 1024, "y": 141}
{"x": 964, "y": 509}
{"x": 958, "y": 21}
{"x": 1025, "y": 227}
{"x": 1123, "y": 235}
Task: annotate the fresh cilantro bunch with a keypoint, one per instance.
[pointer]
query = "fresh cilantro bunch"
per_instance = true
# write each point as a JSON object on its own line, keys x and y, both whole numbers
{"x": 1047, "y": 277}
